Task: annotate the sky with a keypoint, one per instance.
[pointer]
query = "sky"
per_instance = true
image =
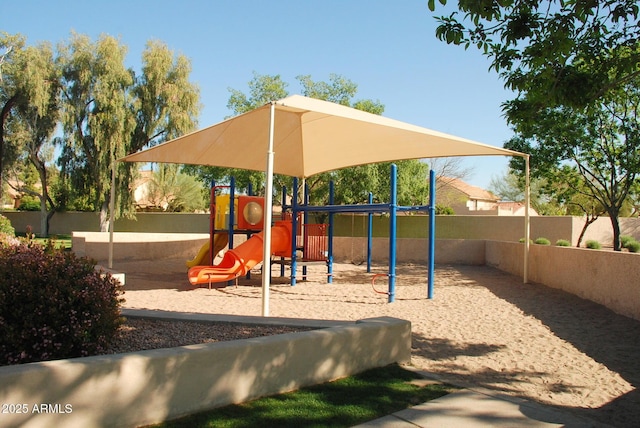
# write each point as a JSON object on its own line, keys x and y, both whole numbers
{"x": 388, "y": 48}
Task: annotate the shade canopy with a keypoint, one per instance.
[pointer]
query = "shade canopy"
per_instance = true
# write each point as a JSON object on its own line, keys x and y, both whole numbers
{"x": 299, "y": 136}
{"x": 310, "y": 136}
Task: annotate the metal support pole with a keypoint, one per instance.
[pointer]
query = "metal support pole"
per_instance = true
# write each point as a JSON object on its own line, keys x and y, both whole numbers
{"x": 369, "y": 234}
{"x": 330, "y": 233}
{"x": 393, "y": 207}
{"x": 432, "y": 234}
{"x": 268, "y": 211}
{"x": 294, "y": 230}
{"x": 527, "y": 221}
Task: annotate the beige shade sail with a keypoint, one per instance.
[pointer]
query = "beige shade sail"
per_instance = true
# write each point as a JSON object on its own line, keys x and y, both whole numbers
{"x": 300, "y": 136}
{"x": 310, "y": 136}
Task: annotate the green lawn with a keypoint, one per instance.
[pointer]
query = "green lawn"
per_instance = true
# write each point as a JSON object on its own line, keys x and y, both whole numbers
{"x": 59, "y": 241}
{"x": 343, "y": 403}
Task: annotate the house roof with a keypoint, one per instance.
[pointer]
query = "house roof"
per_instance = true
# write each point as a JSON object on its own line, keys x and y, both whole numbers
{"x": 473, "y": 192}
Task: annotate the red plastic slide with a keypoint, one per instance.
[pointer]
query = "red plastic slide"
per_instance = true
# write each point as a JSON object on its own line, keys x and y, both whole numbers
{"x": 240, "y": 260}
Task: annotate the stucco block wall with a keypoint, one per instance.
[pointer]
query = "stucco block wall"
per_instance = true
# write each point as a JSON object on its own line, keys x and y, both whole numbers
{"x": 129, "y": 390}
{"x": 410, "y": 250}
{"x": 605, "y": 277}
{"x": 499, "y": 228}
{"x": 138, "y": 246}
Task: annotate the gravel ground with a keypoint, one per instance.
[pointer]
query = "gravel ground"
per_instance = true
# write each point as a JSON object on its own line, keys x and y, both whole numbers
{"x": 138, "y": 334}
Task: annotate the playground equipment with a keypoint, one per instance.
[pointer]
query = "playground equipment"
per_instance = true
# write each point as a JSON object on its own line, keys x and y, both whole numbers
{"x": 239, "y": 261}
{"x": 229, "y": 215}
{"x": 314, "y": 242}
{"x": 392, "y": 208}
{"x": 220, "y": 242}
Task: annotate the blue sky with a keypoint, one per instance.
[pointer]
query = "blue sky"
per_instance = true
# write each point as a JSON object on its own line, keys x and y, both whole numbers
{"x": 388, "y": 48}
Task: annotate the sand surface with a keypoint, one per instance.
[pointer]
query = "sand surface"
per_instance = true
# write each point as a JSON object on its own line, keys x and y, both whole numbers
{"x": 484, "y": 328}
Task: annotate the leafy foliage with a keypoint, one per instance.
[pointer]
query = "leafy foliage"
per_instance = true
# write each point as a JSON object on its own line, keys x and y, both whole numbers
{"x": 542, "y": 241}
{"x": 54, "y": 305}
{"x": 6, "y": 227}
{"x": 591, "y": 157}
{"x": 539, "y": 46}
{"x": 633, "y": 246}
{"x": 563, "y": 243}
{"x": 592, "y": 244}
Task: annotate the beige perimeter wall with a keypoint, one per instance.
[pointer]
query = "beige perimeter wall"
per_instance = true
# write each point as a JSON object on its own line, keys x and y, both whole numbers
{"x": 498, "y": 228}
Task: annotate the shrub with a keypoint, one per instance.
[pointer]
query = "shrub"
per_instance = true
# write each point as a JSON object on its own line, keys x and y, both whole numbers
{"x": 54, "y": 305}
{"x": 522, "y": 241}
{"x": 594, "y": 245}
{"x": 29, "y": 203}
{"x": 633, "y": 246}
{"x": 5, "y": 226}
{"x": 625, "y": 240}
{"x": 563, "y": 243}
{"x": 542, "y": 241}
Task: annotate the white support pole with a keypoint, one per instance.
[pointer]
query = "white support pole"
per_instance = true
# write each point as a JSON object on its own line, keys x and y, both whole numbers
{"x": 268, "y": 210}
{"x": 527, "y": 221}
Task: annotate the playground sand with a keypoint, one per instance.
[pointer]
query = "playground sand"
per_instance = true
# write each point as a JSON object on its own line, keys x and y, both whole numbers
{"x": 484, "y": 328}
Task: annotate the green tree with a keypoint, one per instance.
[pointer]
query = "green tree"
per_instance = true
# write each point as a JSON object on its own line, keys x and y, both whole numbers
{"x": 97, "y": 120}
{"x": 594, "y": 151}
{"x": 175, "y": 191}
{"x": 511, "y": 187}
{"x": 30, "y": 86}
{"x": 110, "y": 112}
{"x": 36, "y": 118}
{"x": 12, "y": 90}
{"x": 540, "y": 46}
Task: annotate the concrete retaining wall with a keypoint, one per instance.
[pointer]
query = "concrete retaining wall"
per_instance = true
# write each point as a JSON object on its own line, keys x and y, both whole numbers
{"x": 133, "y": 389}
{"x": 138, "y": 246}
{"x": 609, "y": 278}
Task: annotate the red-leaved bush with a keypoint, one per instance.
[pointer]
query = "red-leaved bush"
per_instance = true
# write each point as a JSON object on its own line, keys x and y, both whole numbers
{"x": 54, "y": 305}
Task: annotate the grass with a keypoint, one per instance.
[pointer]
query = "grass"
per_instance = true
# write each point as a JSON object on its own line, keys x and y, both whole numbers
{"x": 342, "y": 403}
{"x": 59, "y": 241}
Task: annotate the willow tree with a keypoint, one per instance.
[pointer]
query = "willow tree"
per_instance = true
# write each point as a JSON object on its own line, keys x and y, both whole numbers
{"x": 34, "y": 121}
{"x": 11, "y": 91}
{"x": 97, "y": 119}
{"x": 165, "y": 105}
{"x": 109, "y": 112}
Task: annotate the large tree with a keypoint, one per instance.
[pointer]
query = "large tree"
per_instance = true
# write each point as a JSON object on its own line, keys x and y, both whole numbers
{"x": 97, "y": 121}
{"x": 574, "y": 68}
{"x": 110, "y": 112}
{"x": 35, "y": 119}
{"x": 540, "y": 46}
{"x": 593, "y": 151}
{"x": 12, "y": 90}
{"x": 30, "y": 87}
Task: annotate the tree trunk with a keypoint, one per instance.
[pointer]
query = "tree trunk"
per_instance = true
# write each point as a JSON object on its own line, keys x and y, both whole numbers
{"x": 104, "y": 217}
{"x": 589, "y": 220}
{"x": 616, "y": 230}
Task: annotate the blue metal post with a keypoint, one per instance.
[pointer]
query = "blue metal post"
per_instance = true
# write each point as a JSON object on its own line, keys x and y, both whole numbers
{"x": 393, "y": 207}
{"x": 330, "y": 237}
{"x": 294, "y": 229}
{"x": 369, "y": 234}
{"x": 432, "y": 233}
